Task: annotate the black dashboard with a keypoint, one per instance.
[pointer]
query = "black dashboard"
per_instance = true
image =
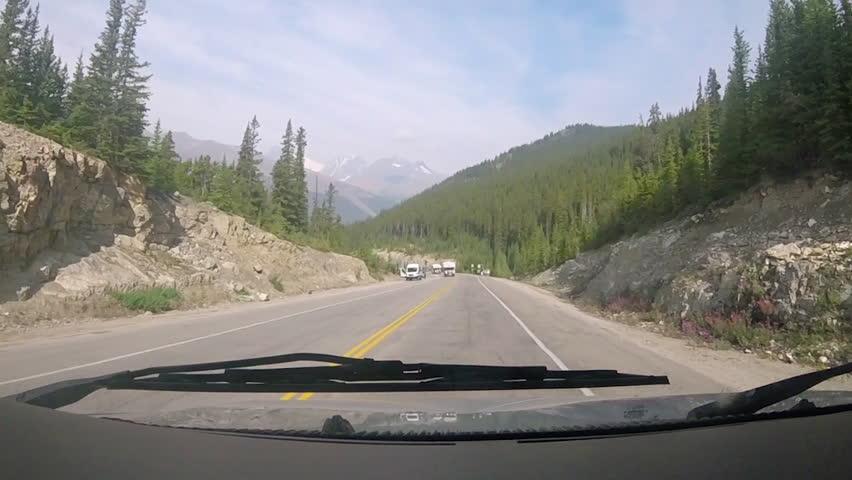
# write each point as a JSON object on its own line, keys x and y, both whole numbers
{"x": 43, "y": 443}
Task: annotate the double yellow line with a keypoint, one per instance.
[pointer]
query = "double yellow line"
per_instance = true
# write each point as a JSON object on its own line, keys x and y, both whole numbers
{"x": 358, "y": 351}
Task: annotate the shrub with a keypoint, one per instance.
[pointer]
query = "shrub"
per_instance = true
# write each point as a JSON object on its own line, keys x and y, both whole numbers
{"x": 276, "y": 283}
{"x": 737, "y": 329}
{"x": 150, "y": 300}
{"x": 375, "y": 264}
{"x": 627, "y": 304}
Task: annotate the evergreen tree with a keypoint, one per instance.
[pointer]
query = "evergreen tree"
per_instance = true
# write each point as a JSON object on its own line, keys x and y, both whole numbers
{"x": 249, "y": 194}
{"x": 710, "y": 119}
{"x": 161, "y": 166}
{"x": 11, "y": 23}
{"x": 50, "y": 81}
{"x": 92, "y": 123}
{"x": 24, "y": 68}
{"x": 329, "y": 204}
{"x": 282, "y": 177}
{"x": 248, "y": 157}
{"x": 300, "y": 186}
{"x": 202, "y": 173}
{"x": 655, "y": 117}
{"x": 840, "y": 142}
{"x": 76, "y": 86}
{"x": 735, "y": 168}
{"x": 774, "y": 113}
{"x": 291, "y": 199}
{"x": 131, "y": 91}
{"x": 222, "y": 191}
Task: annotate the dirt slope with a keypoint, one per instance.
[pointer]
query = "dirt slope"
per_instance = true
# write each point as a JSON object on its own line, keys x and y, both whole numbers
{"x": 778, "y": 257}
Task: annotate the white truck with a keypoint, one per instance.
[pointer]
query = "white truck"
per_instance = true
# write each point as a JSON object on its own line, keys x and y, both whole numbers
{"x": 413, "y": 271}
{"x": 449, "y": 268}
{"x": 436, "y": 268}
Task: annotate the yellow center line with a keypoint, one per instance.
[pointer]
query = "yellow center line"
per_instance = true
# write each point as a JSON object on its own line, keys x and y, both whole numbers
{"x": 358, "y": 351}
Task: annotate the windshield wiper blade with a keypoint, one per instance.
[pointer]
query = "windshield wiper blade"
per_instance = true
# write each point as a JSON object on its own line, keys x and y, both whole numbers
{"x": 751, "y": 401}
{"x": 349, "y": 375}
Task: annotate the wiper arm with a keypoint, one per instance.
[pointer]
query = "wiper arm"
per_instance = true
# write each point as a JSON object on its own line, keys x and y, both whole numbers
{"x": 350, "y": 375}
{"x": 751, "y": 401}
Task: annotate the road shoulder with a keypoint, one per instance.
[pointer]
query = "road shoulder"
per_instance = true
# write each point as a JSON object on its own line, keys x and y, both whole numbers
{"x": 734, "y": 369}
{"x": 95, "y": 325}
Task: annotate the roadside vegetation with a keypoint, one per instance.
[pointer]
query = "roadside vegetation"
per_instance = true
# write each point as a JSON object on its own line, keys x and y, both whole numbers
{"x": 377, "y": 265}
{"x": 154, "y": 300}
{"x": 821, "y": 343}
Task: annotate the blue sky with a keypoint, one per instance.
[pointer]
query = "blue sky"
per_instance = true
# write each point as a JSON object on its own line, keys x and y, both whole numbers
{"x": 450, "y": 83}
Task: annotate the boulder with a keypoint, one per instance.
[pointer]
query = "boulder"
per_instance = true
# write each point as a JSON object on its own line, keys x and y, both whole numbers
{"x": 783, "y": 251}
{"x": 24, "y": 293}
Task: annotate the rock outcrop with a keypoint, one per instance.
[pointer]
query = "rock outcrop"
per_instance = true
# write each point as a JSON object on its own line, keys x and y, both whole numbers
{"x": 780, "y": 253}
{"x": 72, "y": 227}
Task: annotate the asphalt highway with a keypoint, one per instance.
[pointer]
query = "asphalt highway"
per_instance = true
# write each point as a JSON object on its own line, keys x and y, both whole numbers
{"x": 462, "y": 319}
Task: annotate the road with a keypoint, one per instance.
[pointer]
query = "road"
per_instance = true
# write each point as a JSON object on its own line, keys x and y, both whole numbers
{"x": 462, "y": 319}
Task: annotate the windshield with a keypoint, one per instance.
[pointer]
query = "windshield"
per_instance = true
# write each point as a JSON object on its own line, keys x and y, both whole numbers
{"x": 670, "y": 200}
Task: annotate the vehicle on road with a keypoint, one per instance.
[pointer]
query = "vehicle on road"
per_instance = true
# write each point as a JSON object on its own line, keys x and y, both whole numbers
{"x": 414, "y": 271}
{"x": 779, "y": 430}
{"x": 449, "y": 268}
{"x": 436, "y": 268}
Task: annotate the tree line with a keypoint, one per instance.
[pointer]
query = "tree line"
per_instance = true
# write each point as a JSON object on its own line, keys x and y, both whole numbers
{"x": 786, "y": 108}
{"x": 239, "y": 187}
{"x": 101, "y": 108}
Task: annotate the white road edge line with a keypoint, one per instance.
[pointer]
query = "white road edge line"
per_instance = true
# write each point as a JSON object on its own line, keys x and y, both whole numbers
{"x": 535, "y": 339}
{"x": 191, "y": 340}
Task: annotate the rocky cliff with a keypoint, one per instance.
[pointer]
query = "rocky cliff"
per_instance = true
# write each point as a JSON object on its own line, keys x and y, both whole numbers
{"x": 779, "y": 257}
{"x": 72, "y": 227}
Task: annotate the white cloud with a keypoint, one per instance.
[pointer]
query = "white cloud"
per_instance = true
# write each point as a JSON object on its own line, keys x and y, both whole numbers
{"x": 383, "y": 79}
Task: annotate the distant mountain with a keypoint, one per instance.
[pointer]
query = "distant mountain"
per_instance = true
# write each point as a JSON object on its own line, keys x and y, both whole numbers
{"x": 188, "y": 147}
{"x": 391, "y": 177}
{"x": 345, "y": 168}
{"x": 353, "y": 203}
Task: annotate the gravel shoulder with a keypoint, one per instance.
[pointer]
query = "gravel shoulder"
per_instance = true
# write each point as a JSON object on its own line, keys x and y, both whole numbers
{"x": 732, "y": 368}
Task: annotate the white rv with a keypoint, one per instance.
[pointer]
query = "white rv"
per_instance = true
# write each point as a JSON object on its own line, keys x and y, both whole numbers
{"x": 449, "y": 268}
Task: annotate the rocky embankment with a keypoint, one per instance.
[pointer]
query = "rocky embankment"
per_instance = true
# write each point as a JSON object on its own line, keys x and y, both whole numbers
{"x": 777, "y": 260}
{"x": 72, "y": 228}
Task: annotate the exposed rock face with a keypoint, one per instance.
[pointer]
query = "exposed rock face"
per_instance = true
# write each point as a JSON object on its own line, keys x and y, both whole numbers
{"x": 71, "y": 226}
{"x": 780, "y": 252}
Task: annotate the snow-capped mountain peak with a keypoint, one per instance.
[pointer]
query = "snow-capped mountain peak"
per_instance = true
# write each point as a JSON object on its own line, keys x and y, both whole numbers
{"x": 313, "y": 165}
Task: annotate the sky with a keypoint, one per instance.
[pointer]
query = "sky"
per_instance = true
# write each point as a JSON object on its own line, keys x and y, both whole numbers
{"x": 449, "y": 83}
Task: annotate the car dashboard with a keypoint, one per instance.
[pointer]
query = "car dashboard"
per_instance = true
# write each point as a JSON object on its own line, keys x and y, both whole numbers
{"x": 44, "y": 443}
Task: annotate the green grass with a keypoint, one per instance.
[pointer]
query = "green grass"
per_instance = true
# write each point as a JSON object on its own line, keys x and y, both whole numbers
{"x": 150, "y": 300}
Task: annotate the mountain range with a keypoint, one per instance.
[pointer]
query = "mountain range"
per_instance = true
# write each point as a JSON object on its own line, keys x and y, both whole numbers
{"x": 365, "y": 188}
{"x": 392, "y": 177}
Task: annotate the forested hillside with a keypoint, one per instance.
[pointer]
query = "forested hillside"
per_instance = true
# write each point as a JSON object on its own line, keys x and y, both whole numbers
{"x": 786, "y": 108}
